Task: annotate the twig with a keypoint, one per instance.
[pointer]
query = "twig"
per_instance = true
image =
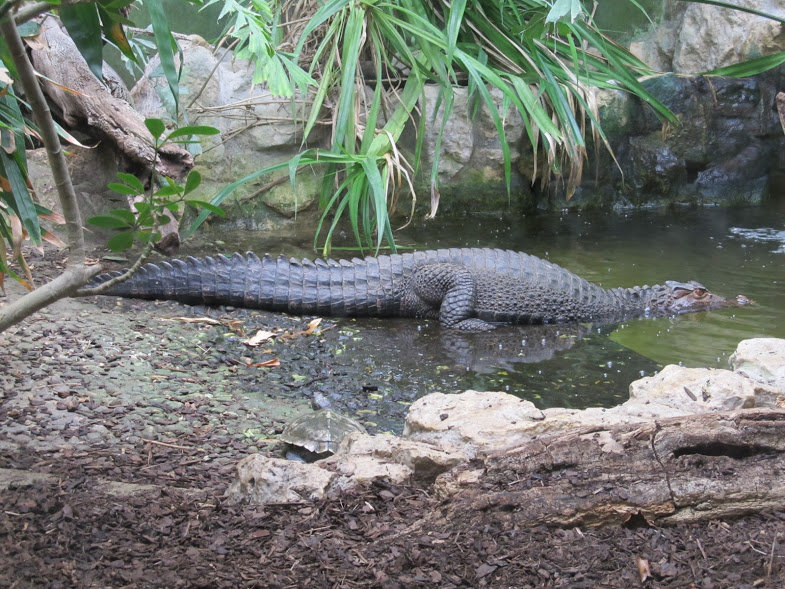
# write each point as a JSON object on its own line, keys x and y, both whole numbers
{"x": 86, "y": 292}
{"x": 167, "y": 445}
{"x": 770, "y": 564}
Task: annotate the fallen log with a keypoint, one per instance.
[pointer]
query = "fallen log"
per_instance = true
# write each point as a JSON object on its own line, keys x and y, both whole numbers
{"x": 85, "y": 102}
{"x": 666, "y": 472}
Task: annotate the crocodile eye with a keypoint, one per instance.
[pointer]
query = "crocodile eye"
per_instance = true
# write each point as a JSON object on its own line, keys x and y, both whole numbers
{"x": 700, "y": 292}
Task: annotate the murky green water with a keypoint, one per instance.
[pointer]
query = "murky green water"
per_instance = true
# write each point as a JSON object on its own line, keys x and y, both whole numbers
{"x": 569, "y": 366}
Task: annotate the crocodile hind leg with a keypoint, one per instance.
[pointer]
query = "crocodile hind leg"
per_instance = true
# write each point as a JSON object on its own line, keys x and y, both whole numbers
{"x": 447, "y": 291}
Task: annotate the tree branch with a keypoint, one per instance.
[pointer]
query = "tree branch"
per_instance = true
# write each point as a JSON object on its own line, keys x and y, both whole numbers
{"x": 72, "y": 278}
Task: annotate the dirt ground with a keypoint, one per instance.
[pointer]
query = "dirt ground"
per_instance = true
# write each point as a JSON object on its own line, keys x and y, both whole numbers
{"x": 120, "y": 432}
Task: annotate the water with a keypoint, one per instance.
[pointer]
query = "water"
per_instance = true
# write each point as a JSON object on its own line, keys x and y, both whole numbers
{"x": 730, "y": 250}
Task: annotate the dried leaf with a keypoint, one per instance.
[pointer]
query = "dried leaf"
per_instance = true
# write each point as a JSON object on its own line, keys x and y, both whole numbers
{"x": 234, "y": 325}
{"x": 272, "y": 363}
{"x": 312, "y": 325}
{"x": 53, "y": 239}
{"x": 260, "y": 337}
{"x": 9, "y": 139}
{"x": 643, "y": 568}
{"x": 53, "y": 217}
{"x": 17, "y": 235}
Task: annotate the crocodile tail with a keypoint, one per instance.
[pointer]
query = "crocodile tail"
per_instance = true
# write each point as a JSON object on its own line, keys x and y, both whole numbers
{"x": 355, "y": 288}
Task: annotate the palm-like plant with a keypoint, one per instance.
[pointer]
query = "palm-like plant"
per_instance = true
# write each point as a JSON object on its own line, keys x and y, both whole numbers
{"x": 373, "y": 58}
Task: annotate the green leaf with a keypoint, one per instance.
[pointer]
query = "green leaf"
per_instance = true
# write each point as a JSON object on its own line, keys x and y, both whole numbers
{"x": 112, "y": 22}
{"x": 166, "y": 45}
{"x": 124, "y": 214}
{"x": 750, "y": 67}
{"x": 107, "y": 222}
{"x": 169, "y": 190}
{"x": 735, "y": 6}
{"x": 155, "y": 126}
{"x": 344, "y": 127}
{"x": 83, "y": 25}
{"x": 21, "y": 201}
{"x": 148, "y": 235}
{"x": 192, "y": 182}
{"x": 123, "y": 188}
{"x": 132, "y": 181}
{"x": 121, "y": 241}
{"x": 193, "y": 130}
{"x": 201, "y": 204}
{"x": 562, "y": 8}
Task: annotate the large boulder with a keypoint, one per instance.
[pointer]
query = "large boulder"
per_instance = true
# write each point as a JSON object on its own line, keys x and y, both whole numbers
{"x": 257, "y": 129}
{"x": 761, "y": 360}
{"x": 694, "y": 38}
{"x": 722, "y": 148}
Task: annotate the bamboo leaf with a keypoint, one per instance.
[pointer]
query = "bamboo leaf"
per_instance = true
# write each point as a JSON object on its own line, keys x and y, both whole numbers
{"x": 751, "y": 67}
{"x": 166, "y": 46}
{"x": 21, "y": 200}
{"x": 83, "y": 25}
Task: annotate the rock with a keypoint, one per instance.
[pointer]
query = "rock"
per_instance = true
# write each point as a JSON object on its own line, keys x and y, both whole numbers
{"x": 710, "y": 37}
{"x": 444, "y": 431}
{"x": 468, "y": 142}
{"x": 359, "y": 460}
{"x": 695, "y": 38}
{"x": 721, "y": 150}
{"x": 677, "y": 390}
{"x": 262, "y": 479}
{"x": 762, "y": 360}
{"x": 655, "y": 168}
{"x": 257, "y": 128}
{"x": 471, "y": 422}
{"x": 90, "y": 169}
{"x": 362, "y": 458}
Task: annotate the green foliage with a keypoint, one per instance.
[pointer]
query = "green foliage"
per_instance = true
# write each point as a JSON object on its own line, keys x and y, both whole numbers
{"x": 542, "y": 58}
{"x": 257, "y": 39}
{"x": 153, "y": 207}
{"x": 750, "y": 67}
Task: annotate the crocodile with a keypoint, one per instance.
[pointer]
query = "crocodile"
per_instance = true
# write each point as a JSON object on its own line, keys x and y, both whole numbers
{"x": 469, "y": 289}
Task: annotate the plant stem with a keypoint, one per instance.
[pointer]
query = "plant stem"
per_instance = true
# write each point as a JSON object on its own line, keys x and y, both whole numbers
{"x": 76, "y": 273}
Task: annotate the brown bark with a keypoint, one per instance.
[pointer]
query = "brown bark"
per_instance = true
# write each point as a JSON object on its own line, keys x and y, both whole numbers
{"x": 57, "y": 58}
{"x": 671, "y": 471}
{"x": 83, "y": 99}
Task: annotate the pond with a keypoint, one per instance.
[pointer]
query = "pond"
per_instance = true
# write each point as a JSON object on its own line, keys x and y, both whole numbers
{"x": 730, "y": 250}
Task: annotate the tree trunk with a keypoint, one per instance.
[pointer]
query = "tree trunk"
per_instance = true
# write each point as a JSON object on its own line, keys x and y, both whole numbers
{"x": 667, "y": 472}
{"x": 781, "y": 108}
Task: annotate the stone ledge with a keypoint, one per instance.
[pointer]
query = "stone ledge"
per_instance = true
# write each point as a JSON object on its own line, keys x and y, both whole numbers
{"x": 443, "y": 431}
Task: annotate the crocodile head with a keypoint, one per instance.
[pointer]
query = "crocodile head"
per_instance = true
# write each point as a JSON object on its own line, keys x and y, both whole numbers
{"x": 687, "y": 297}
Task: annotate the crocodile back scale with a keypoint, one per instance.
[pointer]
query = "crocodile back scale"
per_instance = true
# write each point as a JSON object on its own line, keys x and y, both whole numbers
{"x": 465, "y": 288}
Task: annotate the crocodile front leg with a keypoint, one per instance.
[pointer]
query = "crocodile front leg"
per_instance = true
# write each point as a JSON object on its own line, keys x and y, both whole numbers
{"x": 445, "y": 291}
